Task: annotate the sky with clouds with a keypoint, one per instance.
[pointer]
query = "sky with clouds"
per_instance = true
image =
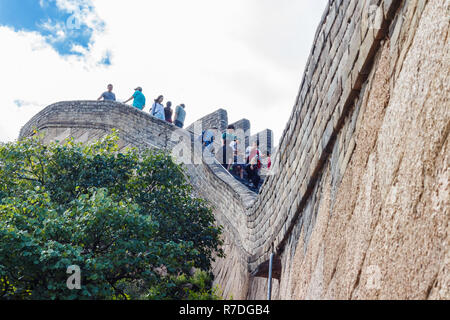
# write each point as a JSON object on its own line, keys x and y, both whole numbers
{"x": 246, "y": 56}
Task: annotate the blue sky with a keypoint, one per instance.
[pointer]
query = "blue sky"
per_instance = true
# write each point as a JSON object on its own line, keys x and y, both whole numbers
{"x": 246, "y": 56}
{"x": 61, "y": 26}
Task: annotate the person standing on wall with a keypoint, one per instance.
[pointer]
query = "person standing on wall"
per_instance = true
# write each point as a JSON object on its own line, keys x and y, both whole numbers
{"x": 253, "y": 163}
{"x": 108, "y": 95}
{"x": 138, "y": 99}
{"x": 180, "y": 115}
{"x": 269, "y": 160}
{"x": 168, "y": 112}
{"x": 227, "y": 154}
{"x": 238, "y": 160}
{"x": 207, "y": 138}
{"x": 158, "y": 109}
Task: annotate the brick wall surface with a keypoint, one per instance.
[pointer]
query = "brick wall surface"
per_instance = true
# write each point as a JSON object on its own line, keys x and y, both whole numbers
{"x": 314, "y": 152}
{"x": 345, "y": 43}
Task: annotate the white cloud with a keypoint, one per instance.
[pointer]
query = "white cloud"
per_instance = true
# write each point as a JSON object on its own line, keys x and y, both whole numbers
{"x": 57, "y": 29}
{"x": 82, "y": 13}
{"x": 244, "y": 56}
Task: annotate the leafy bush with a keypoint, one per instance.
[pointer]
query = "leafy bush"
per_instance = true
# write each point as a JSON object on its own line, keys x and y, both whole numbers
{"x": 183, "y": 287}
{"x": 121, "y": 217}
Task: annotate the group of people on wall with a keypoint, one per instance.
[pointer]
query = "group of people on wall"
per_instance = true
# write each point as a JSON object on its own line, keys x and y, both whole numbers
{"x": 242, "y": 166}
{"x": 157, "y": 110}
{"x": 247, "y": 165}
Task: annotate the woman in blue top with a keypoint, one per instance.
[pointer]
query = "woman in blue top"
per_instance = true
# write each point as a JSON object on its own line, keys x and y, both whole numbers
{"x": 138, "y": 99}
{"x": 158, "y": 108}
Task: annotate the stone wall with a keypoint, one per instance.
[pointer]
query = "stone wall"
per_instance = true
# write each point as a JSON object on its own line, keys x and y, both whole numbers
{"x": 89, "y": 120}
{"x": 243, "y": 127}
{"x": 343, "y": 52}
{"x": 358, "y": 207}
{"x": 357, "y": 202}
{"x": 218, "y": 119}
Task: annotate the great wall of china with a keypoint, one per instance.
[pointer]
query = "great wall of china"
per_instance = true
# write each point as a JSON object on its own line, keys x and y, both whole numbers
{"x": 358, "y": 203}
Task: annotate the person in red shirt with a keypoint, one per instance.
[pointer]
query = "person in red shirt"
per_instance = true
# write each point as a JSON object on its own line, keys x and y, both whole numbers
{"x": 269, "y": 160}
{"x": 253, "y": 163}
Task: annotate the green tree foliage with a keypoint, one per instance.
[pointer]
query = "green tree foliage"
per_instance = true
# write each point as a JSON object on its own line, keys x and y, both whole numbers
{"x": 183, "y": 287}
{"x": 121, "y": 217}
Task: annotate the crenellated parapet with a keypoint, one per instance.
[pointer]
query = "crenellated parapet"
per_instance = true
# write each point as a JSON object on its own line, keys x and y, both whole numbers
{"x": 218, "y": 119}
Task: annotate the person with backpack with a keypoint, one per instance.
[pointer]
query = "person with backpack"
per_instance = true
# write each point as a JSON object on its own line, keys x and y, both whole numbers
{"x": 253, "y": 163}
{"x": 208, "y": 137}
{"x": 158, "y": 109}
